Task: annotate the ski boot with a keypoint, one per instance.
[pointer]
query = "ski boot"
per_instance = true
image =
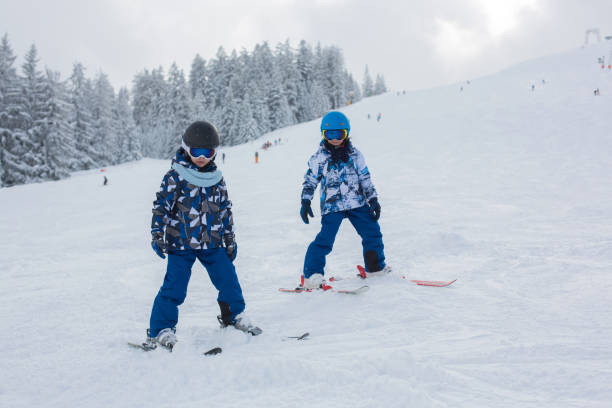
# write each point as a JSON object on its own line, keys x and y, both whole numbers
{"x": 242, "y": 323}
{"x": 387, "y": 269}
{"x": 150, "y": 343}
{"x": 315, "y": 281}
{"x": 166, "y": 338}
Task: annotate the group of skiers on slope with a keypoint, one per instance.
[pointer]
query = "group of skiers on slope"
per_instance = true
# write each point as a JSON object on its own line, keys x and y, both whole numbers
{"x": 192, "y": 219}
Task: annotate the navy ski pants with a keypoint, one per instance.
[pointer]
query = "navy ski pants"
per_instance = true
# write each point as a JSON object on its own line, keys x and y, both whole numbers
{"x": 368, "y": 230}
{"x": 174, "y": 289}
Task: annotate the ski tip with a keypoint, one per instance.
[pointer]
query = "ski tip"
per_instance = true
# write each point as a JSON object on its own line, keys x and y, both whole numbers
{"x": 357, "y": 291}
{"x": 362, "y": 271}
{"x": 303, "y": 336}
{"x": 439, "y": 284}
{"x": 213, "y": 351}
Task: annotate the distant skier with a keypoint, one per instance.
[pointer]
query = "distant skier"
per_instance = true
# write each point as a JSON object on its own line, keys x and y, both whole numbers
{"x": 346, "y": 192}
{"x": 378, "y": 117}
{"x": 105, "y": 180}
{"x": 223, "y": 157}
{"x": 193, "y": 211}
{"x": 368, "y": 116}
{"x": 256, "y": 157}
{"x": 532, "y": 87}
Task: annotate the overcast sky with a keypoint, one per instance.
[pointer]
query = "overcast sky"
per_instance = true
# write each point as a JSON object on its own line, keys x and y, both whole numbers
{"x": 414, "y": 44}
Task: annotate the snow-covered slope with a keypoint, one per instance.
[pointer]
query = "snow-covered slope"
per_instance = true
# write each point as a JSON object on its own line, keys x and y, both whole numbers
{"x": 504, "y": 188}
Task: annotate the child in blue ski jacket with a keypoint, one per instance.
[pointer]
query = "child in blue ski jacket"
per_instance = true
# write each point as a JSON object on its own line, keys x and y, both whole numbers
{"x": 346, "y": 192}
{"x": 192, "y": 219}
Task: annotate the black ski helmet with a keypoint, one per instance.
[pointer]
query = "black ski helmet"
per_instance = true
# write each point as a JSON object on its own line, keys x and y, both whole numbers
{"x": 201, "y": 134}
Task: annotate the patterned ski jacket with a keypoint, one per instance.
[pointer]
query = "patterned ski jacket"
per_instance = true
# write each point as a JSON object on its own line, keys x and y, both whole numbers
{"x": 344, "y": 185}
{"x": 192, "y": 207}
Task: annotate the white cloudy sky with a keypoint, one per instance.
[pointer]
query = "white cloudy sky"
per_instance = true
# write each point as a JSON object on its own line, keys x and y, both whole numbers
{"x": 415, "y": 44}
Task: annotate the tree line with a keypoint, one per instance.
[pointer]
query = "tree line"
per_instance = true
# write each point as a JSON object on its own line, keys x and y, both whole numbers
{"x": 50, "y": 127}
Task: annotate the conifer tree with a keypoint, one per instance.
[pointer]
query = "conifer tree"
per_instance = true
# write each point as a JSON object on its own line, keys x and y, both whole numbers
{"x": 379, "y": 86}
{"x": 177, "y": 110}
{"x": 33, "y": 118}
{"x": 368, "y": 85}
{"x": 10, "y": 168}
{"x": 105, "y": 149}
{"x": 80, "y": 117}
{"x": 228, "y": 119}
{"x": 128, "y": 142}
{"x": 246, "y": 128}
{"x": 290, "y": 77}
{"x": 197, "y": 76}
{"x": 61, "y": 152}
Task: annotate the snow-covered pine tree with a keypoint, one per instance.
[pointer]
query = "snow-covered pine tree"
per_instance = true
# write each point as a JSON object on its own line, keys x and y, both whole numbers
{"x": 10, "y": 173}
{"x": 379, "y": 86}
{"x": 368, "y": 85}
{"x": 290, "y": 77}
{"x": 332, "y": 76}
{"x": 305, "y": 66}
{"x": 305, "y": 62}
{"x": 259, "y": 107}
{"x": 127, "y": 141}
{"x": 228, "y": 119}
{"x": 197, "y": 76}
{"x": 246, "y": 127}
{"x": 280, "y": 113}
{"x": 178, "y": 109}
{"x": 351, "y": 88}
{"x": 151, "y": 111}
{"x": 80, "y": 119}
{"x": 142, "y": 105}
{"x": 61, "y": 152}
{"x": 33, "y": 123}
{"x": 199, "y": 87}
{"x": 105, "y": 147}
{"x": 260, "y": 85}
{"x": 319, "y": 101}
{"x": 218, "y": 79}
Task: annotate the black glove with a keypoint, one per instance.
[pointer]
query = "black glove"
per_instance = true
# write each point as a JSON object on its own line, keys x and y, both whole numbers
{"x": 374, "y": 208}
{"x": 231, "y": 248}
{"x": 158, "y": 244}
{"x": 305, "y": 211}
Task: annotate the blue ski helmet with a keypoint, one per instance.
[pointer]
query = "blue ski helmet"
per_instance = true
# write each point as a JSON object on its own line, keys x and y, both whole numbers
{"x": 335, "y": 121}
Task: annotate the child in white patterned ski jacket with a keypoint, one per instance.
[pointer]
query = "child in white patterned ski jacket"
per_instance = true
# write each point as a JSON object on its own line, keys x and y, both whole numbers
{"x": 344, "y": 185}
{"x": 346, "y": 192}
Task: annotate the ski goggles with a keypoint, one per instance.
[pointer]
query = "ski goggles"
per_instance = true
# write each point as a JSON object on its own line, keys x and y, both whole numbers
{"x": 335, "y": 134}
{"x": 197, "y": 152}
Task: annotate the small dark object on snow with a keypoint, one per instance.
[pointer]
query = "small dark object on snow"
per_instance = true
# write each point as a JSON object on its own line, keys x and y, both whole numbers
{"x": 214, "y": 351}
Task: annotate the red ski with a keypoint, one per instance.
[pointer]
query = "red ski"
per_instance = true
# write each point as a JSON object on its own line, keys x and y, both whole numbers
{"x": 439, "y": 284}
{"x": 325, "y": 287}
{"x": 362, "y": 275}
{"x": 357, "y": 291}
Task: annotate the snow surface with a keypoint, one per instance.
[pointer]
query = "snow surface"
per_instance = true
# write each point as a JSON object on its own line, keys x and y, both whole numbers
{"x": 506, "y": 189}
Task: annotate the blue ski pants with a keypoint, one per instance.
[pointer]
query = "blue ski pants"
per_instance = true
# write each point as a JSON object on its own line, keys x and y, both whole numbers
{"x": 174, "y": 289}
{"x": 368, "y": 230}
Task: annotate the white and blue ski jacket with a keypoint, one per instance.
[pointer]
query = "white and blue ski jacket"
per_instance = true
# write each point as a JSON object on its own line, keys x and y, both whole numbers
{"x": 344, "y": 185}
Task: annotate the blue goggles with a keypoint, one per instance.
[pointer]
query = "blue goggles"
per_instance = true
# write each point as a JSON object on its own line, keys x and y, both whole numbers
{"x": 196, "y": 152}
{"x": 335, "y": 134}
